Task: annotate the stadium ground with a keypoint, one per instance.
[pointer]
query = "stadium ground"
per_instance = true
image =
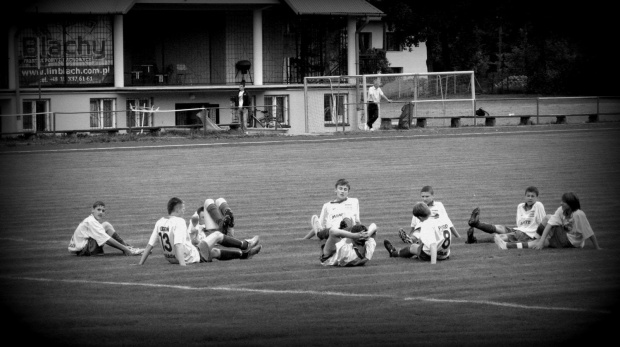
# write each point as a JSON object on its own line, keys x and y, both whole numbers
{"x": 283, "y": 296}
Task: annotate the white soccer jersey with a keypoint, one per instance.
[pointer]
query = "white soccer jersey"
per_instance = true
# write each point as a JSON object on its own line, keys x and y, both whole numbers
{"x": 172, "y": 231}
{"x": 528, "y": 221}
{"x": 577, "y": 226}
{"x": 438, "y": 212}
{"x": 333, "y": 213}
{"x": 89, "y": 228}
{"x": 432, "y": 232}
{"x": 200, "y": 229}
{"x": 345, "y": 252}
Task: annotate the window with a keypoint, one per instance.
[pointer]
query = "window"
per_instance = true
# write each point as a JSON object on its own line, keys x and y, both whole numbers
{"x": 390, "y": 42}
{"x": 336, "y": 103}
{"x": 102, "y": 113}
{"x": 277, "y": 106}
{"x": 365, "y": 42}
{"x": 34, "y": 119}
{"x": 136, "y": 118}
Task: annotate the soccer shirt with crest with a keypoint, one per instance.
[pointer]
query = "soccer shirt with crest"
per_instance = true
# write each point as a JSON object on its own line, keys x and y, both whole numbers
{"x": 172, "y": 231}
{"x": 334, "y": 212}
{"x": 438, "y": 212}
{"x": 528, "y": 221}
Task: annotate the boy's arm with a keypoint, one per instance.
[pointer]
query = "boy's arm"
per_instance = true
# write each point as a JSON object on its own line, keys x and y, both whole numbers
{"x": 178, "y": 253}
{"x": 455, "y": 233}
{"x": 434, "y": 253}
{"x": 347, "y": 234}
{"x": 145, "y": 255}
{"x": 540, "y": 243}
{"x": 595, "y": 242}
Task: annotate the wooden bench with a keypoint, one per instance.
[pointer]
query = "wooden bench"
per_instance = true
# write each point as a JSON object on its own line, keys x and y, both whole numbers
{"x": 231, "y": 126}
{"x": 386, "y": 123}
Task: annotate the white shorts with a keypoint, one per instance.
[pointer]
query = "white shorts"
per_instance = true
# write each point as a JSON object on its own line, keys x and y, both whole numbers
{"x": 345, "y": 253}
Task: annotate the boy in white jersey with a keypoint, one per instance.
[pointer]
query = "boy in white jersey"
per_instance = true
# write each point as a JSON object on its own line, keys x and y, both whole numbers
{"x": 178, "y": 247}
{"x": 433, "y": 240}
{"x": 530, "y": 215}
{"x": 334, "y": 212}
{"x": 90, "y": 235}
{"x": 568, "y": 227}
{"x": 438, "y": 212}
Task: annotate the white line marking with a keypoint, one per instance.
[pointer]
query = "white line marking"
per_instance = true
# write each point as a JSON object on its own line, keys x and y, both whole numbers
{"x": 313, "y": 292}
{"x": 243, "y": 143}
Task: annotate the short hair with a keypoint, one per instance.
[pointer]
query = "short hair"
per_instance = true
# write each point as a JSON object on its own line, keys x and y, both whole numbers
{"x": 343, "y": 182}
{"x": 531, "y": 189}
{"x": 200, "y": 209}
{"x": 421, "y": 210}
{"x": 172, "y": 204}
{"x": 571, "y": 200}
{"x": 98, "y": 203}
{"x": 428, "y": 189}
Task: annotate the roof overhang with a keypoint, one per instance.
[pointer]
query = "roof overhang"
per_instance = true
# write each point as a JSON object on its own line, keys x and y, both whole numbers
{"x": 357, "y": 8}
{"x": 123, "y": 6}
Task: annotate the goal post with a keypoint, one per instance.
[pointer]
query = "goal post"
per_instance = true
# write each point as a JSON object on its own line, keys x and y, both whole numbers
{"x": 338, "y": 103}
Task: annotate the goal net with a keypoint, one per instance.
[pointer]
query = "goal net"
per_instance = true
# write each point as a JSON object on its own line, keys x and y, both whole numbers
{"x": 338, "y": 103}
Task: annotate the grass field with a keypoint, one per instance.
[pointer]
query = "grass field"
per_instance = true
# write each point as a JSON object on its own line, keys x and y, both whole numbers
{"x": 283, "y": 296}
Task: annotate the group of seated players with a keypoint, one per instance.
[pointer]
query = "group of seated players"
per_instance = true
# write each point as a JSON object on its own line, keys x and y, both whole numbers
{"x": 344, "y": 240}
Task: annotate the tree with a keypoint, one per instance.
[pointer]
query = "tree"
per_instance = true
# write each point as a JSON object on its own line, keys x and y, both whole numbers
{"x": 560, "y": 48}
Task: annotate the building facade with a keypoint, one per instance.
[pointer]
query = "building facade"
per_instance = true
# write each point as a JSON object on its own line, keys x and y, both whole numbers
{"x": 125, "y": 64}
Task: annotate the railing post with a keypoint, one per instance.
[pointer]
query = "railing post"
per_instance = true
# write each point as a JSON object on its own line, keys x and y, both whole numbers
{"x": 537, "y": 110}
{"x": 204, "y": 121}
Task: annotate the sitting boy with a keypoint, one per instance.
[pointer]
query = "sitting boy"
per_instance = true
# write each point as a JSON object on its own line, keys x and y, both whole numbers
{"x": 179, "y": 249}
{"x": 433, "y": 242}
{"x": 335, "y": 211}
{"x": 438, "y": 212}
{"x": 530, "y": 215}
{"x": 90, "y": 235}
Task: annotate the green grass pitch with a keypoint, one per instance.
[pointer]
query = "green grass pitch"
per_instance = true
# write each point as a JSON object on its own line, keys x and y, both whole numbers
{"x": 283, "y": 296}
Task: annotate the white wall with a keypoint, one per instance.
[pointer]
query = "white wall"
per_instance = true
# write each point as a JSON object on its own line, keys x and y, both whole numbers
{"x": 413, "y": 61}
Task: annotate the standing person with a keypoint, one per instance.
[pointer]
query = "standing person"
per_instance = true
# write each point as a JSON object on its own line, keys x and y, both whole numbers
{"x": 530, "y": 215}
{"x": 90, "y": 235}
{"x": 438, "y": 212}
{"x": 335, "y": 211}
{"x": 179, "y": 249}
{"x": 568, "y": 227}
{"x": 434, "y": 239}
{"x": 374, "y": 98}
{"x": 242, "y": 105}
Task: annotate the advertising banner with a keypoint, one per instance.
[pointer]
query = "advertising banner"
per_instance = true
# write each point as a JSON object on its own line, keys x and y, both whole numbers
{"x": 67, "y": 52}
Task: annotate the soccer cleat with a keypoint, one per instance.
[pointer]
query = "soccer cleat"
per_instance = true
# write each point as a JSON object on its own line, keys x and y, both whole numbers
{"x": 135, "y": 251}
{"x": 388, "y": 245}
{"x": 474, "y": 219}
{"x": 403, "y": 236}
{"x": 253, "y": 251}
{"x": 224, "y": 224}
{"x": 499, "y": 242}
{"x": 470, "y": 236}
{"x": 253, "y": 242}
{"x": 232, "y": 218}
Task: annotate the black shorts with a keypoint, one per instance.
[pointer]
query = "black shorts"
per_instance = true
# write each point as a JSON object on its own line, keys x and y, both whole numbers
{"x": 91, "y": 248}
